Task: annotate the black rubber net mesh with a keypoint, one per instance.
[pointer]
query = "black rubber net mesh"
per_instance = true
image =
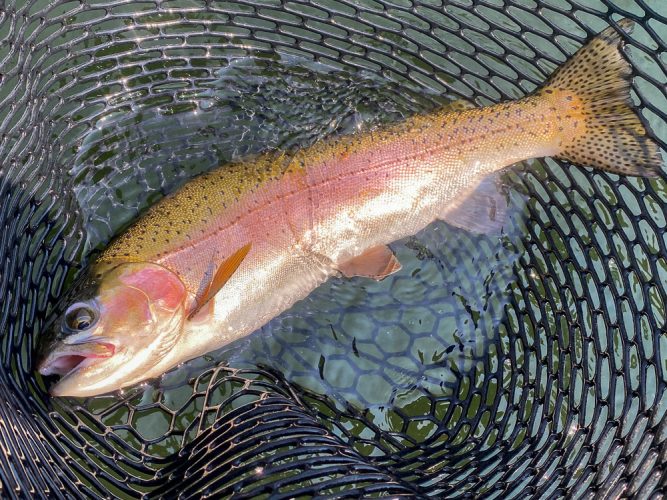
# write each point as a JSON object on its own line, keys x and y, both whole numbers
{"x": 530, "y": 365}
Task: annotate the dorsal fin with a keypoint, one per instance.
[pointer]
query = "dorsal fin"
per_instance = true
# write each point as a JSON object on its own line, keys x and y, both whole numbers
{"x": 213, "y": 282}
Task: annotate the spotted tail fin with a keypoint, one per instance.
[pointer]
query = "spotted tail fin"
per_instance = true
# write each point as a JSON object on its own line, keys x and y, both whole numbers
{"x": 607, "y": 131}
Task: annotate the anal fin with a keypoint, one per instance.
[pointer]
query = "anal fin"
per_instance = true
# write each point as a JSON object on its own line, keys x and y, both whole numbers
{"x": 483, "y": 209}
{"x": 377, "y": 263}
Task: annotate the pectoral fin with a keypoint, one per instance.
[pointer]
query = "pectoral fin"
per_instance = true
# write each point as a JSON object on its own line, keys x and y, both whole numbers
{"x": 215, "y": 279}
{"x": 377, "y": 263}
{"x": 482, "y": 210}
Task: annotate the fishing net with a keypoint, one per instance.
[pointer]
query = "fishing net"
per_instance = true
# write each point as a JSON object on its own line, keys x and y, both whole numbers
{"x": 530, "y": 365}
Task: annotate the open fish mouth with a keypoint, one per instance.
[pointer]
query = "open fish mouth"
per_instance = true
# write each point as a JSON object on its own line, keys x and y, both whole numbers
{"x": 64, "y": 358}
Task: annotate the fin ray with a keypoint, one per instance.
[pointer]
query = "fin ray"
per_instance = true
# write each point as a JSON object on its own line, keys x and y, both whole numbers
{"x": 212, "y": 283}
{"x": 614, "y": 138}
{"x": 376, "y": 263}
{"x": 482, "y": 210}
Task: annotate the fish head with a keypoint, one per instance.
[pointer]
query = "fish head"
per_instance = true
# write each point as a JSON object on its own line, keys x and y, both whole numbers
{"x": 116, "y": 332}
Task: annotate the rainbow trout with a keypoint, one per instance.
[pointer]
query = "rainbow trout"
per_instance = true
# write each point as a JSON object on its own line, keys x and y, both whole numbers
{"x": 235, "y": 247}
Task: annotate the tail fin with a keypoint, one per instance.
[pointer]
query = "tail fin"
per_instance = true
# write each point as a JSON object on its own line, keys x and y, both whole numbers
{"x": 614, "y": 138}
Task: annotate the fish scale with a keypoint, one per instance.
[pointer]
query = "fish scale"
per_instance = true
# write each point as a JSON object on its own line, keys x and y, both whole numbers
{"x": 204, "y": 211}
{"x": 237, "y": 246}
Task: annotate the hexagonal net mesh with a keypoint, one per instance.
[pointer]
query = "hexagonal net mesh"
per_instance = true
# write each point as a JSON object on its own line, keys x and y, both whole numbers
{"x": 531, "y": 365}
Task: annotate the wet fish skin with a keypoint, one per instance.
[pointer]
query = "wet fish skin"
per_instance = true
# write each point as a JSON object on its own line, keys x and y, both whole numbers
{"x": 333, "y": 208}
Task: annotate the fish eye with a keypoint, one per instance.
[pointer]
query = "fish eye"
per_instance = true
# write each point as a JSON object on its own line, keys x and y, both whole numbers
{"x": 80, "y": 317}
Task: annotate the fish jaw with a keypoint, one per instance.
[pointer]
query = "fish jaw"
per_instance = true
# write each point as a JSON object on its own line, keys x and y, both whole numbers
{"x": 71, "y": 357}
{"x": 92, "y": 376}
{"x": 65, "y": 358}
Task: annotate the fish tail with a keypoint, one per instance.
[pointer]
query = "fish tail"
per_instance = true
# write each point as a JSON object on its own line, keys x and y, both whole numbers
{"x": 604, "y": 131}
